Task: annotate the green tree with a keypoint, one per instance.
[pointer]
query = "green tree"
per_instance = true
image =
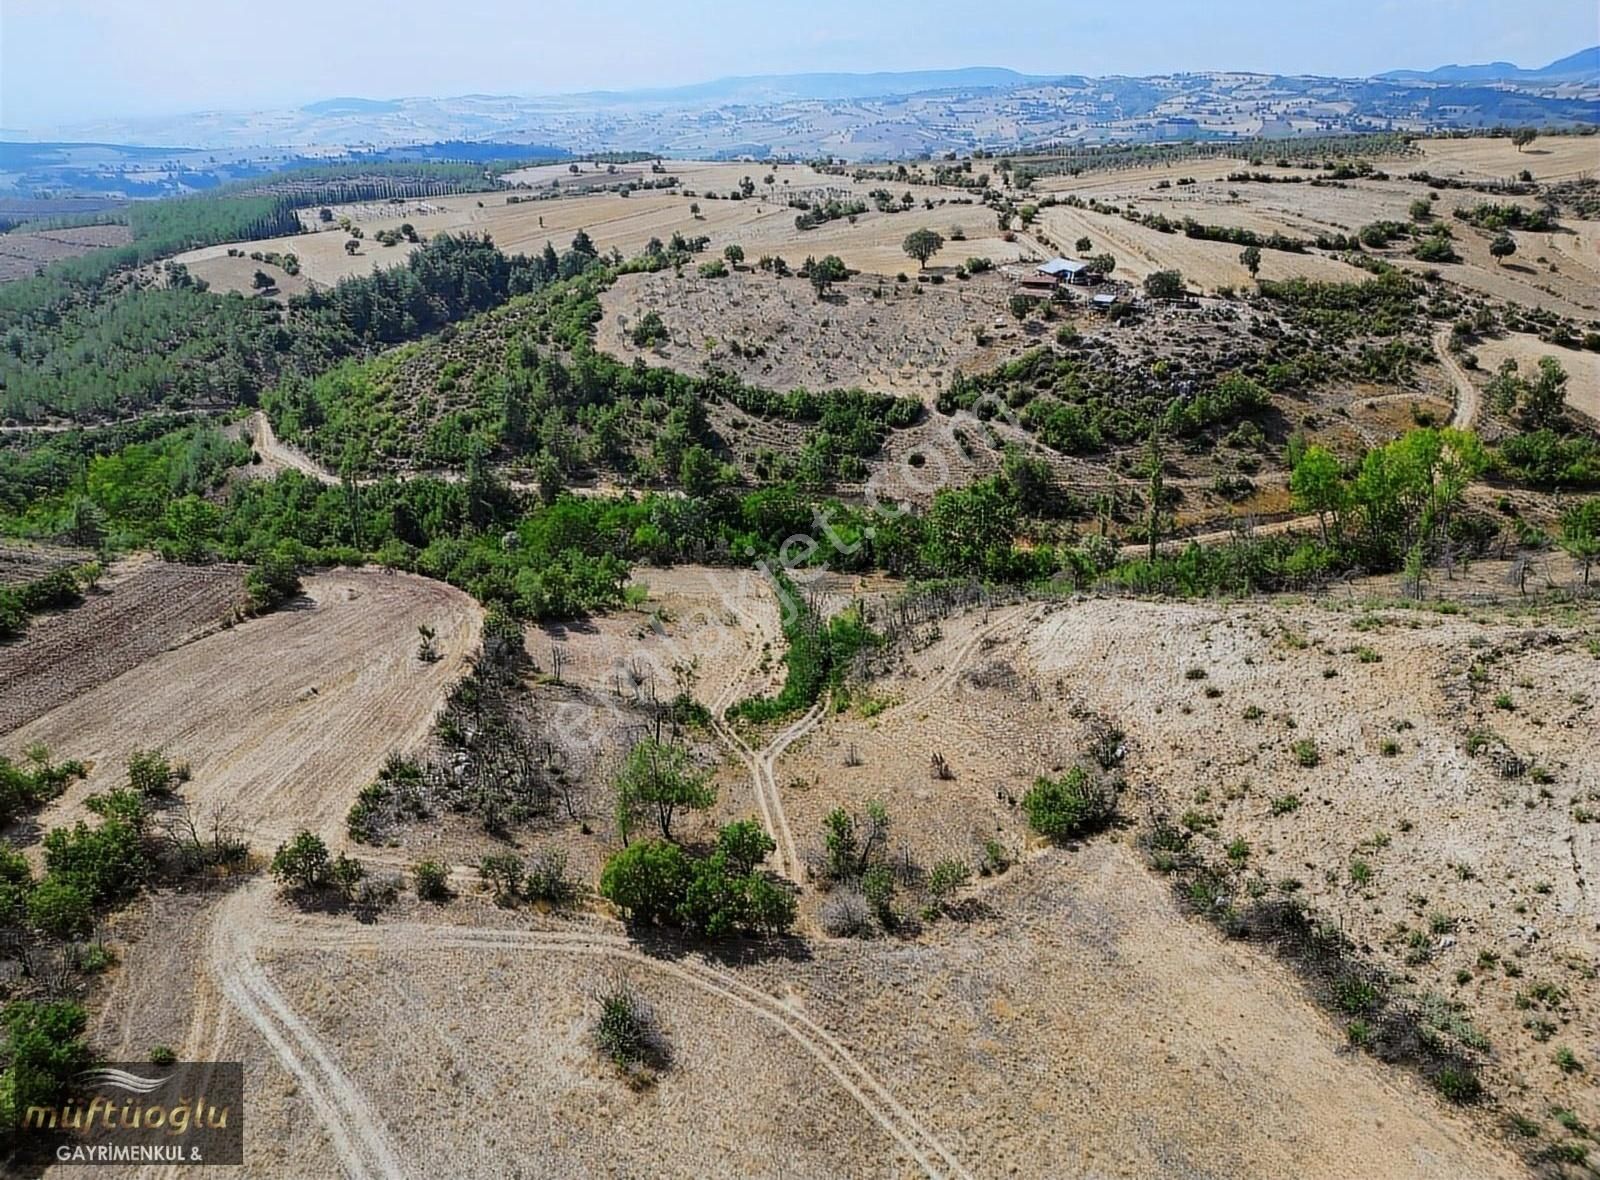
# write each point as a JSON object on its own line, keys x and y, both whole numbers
{"x": 1164, "y": 284}
{"x": 302, "y": 863}
{"x": 1103, "y": 264}
{"x": 1250, "y": 256}
{"x": 60, "y": 909}
{"x": 44, "y": 1050}
{"x": 659, "y": 779}
{"x": 647, "y": 880}
{"x": 1580, "y": 534}
{"x": 1083, "y": 246}
{"x": 1523, "y": 136}
{"x": 734, "y": 253}
{"x": 1317, "y": 484}
{"x": 922, "y": 244}
{"x": 826, "y": 273}
{"x": 1503, "y": 246}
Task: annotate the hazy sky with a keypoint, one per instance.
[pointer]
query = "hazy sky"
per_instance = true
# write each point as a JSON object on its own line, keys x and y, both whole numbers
{"x": 64, "y": 60}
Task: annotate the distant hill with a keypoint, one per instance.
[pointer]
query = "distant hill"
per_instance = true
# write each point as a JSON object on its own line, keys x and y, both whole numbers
{"x": 353, "y": 106}
{"x": 784, "y": 87}
{"x": 1582, "y": 67}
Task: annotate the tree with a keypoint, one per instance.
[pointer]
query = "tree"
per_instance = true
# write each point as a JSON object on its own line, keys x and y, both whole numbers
{"x": 261, "y": 280}
{"x": 1020, "y": 305}
{"x": 1251, "y": 257}
{"x": 647, "y": 880}
{"x": 1083, "y": 245}
{"x": 922, "y": 244}
{"x": 1164, "y": 284}
{"x": 1523, "y": 136}
{"x": 1503, "y": 246}
{"x": 1102, "y": 264}
{"x": 1068, "y": 806}
{"x": 351, "y": 246}
{"x": 302, "y": 863}
{"x": 1421, "y": 209}
{"x": 746, "y": 844}
{"x": 826, "y": 273}
{"x": 60, "y": 909}
{"x": 659, "y": 777}
{"x": 734, "y": 254}
{"x": 44, "y": 1050}
{"x": 1580, "y": 534}
{"x": 1317, "y": 484}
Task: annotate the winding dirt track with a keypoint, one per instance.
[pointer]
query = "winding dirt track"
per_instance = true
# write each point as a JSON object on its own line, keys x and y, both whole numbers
{"x": 307, "y": 933}
{"x": 1466, "y": 412}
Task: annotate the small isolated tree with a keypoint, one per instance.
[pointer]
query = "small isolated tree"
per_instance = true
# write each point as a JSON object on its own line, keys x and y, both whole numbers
{"x": 658, "y": 780}
{"x": 1020, "y": 305}
{"x": 1421, "y": 209}
{"x": 1084, "y": 246}
{"x": 352, "y": 245}
{"x": 1503, "y": 247}
{"x": 922, "y": 244}
{"x": 1251, "y": 257}
{"x": 262, "y": 281}
{"x": 1103, "y": 264}
{"x": 1523, "y": 136}
{"x": 303, "y": 863}
{"x": 427, "y": 644}
{"x": 824, "y": 274}
{"x": 1069, "y": 806}
{"x": 734, "y": 254}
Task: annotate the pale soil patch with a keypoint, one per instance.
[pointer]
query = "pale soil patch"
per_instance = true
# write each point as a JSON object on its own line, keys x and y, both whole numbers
{"x": 1434, "y": 822}
{"x": 142, "y": 608}
{"x": 284, "y": 717}
{"x": 1140, "y": 251}
{"x": 1583, "y": 368}
{"x": 911, "y": 341}
{"x": 984, "y": 1038}
{"x": 238, "y": 274}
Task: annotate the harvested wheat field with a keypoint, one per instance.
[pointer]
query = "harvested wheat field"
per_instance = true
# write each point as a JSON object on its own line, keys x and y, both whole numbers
{"x": 281, "y": 719}
{"x": 142, "y": 607}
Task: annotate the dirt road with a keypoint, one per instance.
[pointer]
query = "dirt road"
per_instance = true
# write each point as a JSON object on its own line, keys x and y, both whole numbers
{"x": 1466, "y": 392}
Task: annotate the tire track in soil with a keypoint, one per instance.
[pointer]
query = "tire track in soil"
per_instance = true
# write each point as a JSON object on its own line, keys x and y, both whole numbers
{"x": 847, "y": 1070}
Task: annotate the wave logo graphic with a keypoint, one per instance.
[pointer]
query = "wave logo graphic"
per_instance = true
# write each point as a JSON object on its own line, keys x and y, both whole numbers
{"x": 121, "y": 1079}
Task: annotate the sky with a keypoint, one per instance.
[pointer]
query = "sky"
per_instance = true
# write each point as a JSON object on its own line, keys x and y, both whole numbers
{"x": 68, "y": 60}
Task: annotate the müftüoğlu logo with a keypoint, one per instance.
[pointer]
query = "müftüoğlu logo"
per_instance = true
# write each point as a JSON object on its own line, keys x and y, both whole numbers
{"x": 122, "y": 1113}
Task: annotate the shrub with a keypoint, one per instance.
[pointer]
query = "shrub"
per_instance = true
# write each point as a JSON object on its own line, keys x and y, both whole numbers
{"x": 1069, "y": 806}
{"x": 106, "y": 863}
{"x": 302, "y": 863}
{"x": 162, "y": 1055}
{"x": 626, "y": 1034}
{"x": 60, "y": 909}
{"x": 151, "y": 772}
{"x": 432, "y": 880}
{"x": 547, "y": 879}
{"x": 647, "y": 880}
{"x": 846, "y": 915}
{"x": 1306, "y": 753}
{"x": 502, "y": 872}
{"x": 44, "y": 1049}
{"x": 274, "y": 580}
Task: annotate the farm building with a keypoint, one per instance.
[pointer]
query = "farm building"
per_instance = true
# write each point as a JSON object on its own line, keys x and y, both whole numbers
{"x": 1039, "y": 286}
{"x": 1065, "y": 270}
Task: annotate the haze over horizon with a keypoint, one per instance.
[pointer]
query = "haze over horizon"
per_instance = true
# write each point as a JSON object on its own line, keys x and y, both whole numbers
{"x": 70, "y": 61}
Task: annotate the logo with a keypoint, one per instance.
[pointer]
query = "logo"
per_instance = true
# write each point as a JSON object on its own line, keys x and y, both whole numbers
{"x": 130, "y": 1113}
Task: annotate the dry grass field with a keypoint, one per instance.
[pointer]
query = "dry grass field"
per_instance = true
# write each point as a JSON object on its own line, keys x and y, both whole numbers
{"x": 1076, "y": 1020}
{"x": 911, "y": 340}
{"x": 1582, "y": 368}
{"x": 24, "y": 252}
{"x": 282, "y": 718}
{"x": 142, "y": 608}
